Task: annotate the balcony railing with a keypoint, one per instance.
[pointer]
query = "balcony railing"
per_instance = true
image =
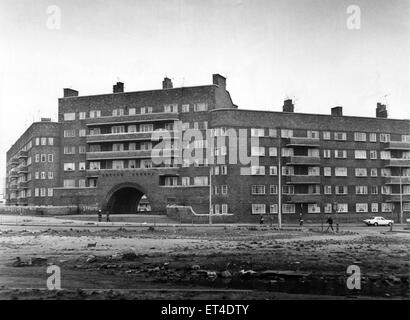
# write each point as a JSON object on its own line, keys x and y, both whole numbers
{"x": 303, "y": 179}
{"x": 396, "y": 180}
{"x": 22, "y": 169}
{"x": 396, "y": 197}
{"x": 13, "y": 173}
{"x": 397, "y": 145}
{"x": 397, "y": 162}
{"x": 127, "y": 136}
{"x": 301, "y": 142}
{"x": 22, "y": 185}
{"x": 303, "y": 198}
{"x": 22, "y": 154}
{"x": 137, "y": 118}
{"x": 14, "y": 162}
{"x": 303, "y": 160}
{"x": 118, "y": 154}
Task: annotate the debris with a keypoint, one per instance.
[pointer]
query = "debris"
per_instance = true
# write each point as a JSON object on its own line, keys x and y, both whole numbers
{"x": 92, "y": 245}
{"x": 226, "y": 274}
{"x": 38, "y": 261}
{"x": 129, "y": 255}
{"x": 195, "y": 267}
{"x": 247, "y": 273}
{"x": 91, "y": 259}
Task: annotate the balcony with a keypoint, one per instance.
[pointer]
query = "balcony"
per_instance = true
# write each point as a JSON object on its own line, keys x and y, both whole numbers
{"x": 127, "y": 136}
{"x": 303, "y": 198}
{"x": 118, "y": 154}
{"x": 13, "y": 173}
{"x": 396, "y": 180}
{"x": 303, "y": 160}
{"x": 397, "y": 145}
{"x": 396, "y": 197}
{"x": 22, "y": 185}
{"x": 303, "y": 179}
{"x": 14, "y": 162}
{"x": 137, "y": 118}
{"x": 22, "y": 169}
{"x": 302, "y": 142}
{"x": 22, "y": 154}
{"x": 397, "y": 162}
{"x": 12, "y": 186}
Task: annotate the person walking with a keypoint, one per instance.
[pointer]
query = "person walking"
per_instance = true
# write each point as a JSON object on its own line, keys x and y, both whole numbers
{"x": 99, "y": 215}
{"x": 330, "y": 222}
{"x": 261, "y": 220}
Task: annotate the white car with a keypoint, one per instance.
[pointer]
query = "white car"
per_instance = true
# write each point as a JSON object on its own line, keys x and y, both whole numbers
{"x": 378, "y": 221}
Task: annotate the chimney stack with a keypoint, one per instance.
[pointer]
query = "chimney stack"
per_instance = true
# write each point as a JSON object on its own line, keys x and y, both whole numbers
{"x": 337, "y": 111}
{"x": 70, "y": 93}
{"x": 381, "y": 111}
{"x": 167, "y": 83}
{"x": 219, "y": 80}
{"x": 118, "y": 88}
{"x": 288, "y": 106}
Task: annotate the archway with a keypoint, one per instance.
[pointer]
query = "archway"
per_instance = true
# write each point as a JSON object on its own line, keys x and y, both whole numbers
{"x": 126, "y": 199}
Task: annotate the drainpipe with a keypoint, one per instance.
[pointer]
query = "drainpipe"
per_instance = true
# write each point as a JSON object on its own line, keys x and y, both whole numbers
{"x": 280, "y": 179}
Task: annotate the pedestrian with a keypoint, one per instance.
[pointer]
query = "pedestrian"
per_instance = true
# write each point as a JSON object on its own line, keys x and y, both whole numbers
{"x": 300, "y": 220}
{"x": 330, "y": 222}
{"x": 261, "y": 220}
{"x": 108, "y": 216}
{"x": 99, "y": 215}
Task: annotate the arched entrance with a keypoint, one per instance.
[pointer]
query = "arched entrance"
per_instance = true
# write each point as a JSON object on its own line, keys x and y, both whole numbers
{"x": 125, "y": 199}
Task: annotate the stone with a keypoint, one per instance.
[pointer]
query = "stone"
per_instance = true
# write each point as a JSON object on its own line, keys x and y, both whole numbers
{"x": 226, "y": 274}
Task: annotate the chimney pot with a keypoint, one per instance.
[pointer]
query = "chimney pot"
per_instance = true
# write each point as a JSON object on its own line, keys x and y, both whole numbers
{"x": 167, "y": 83}
{"x": 381, "y": 110}
{"x": 70, "y": 93}
{"x": 219, "y": 80}
{"x": 118, "y": 88}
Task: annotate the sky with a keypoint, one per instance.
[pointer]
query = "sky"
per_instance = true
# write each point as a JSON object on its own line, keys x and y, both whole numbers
{"x": 269, "y": 50}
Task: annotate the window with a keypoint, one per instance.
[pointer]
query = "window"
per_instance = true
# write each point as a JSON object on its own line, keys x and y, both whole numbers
{"x": 273, "y": 208}
{"x": 385, "y": 172}
{"x": 287, "y": 133}
{"x": 387, "y": 207}
{"x": 372, "y": 137}
{"x": 69, "y": 150}
{"x": 327, "y": 171}
{"x": 386, "y": 189}
{"x": 328, "y": 208}
{"x": 257, "y": 132}
{"x": 273, "y": 170}
{"x": 43, "y": 175}
{"x": 36, "y": 192}
{"x": 94, "y": 165}
{"x": 29, "y": 160}
{"x": 287, "y": 171}
{"x": 50, "y": 141}
{"x": 288, "y": 189}
{"x": 50, "y": 158}
{"x": 313, "y": 134}
{"x": 69, "y": 166}
{"x": 287, "y": 152}
{"x": 273, "y": 133}
{"x": 224, "y": 208}
{"x": 146, "y": 127}
{"x": 359, "y": 136}
{"x": 360, "y": 154}
{"x": 43, "y": 158}
{"x": 326, "y": 135}
{"x": 37, "y": 141}
{"x": 216, "y": 189}
{"x": 342, "y": 207}
{"x": 341, "y": 172}
{"x": 385, "y": 155}
{"x": 50, "y": 175}
{"x": 146, "y": 110}
{"x": 50, "y": 192}
{"x": 117, "y": 129}
{"x": 258, "y": 208}
{"x": 327, "y": 153}
{"x": 375, "y": 207}
{"x": 340, "y": 154}
{"x": 118, "y": 164}
{"x": 273, "y": 151}
{"x": 69, "y": 183}
{"x": 201, "y": 181}
{"x": 361, "y": 172}
{"x": 37, "y": 158}
{"x": 224, "y": 189}
{"x": 373, "y": 172}
{"x": 273, "y": 189}
{"x": 171, "y": 181}
{"x": 373, "y": 154}
{"x": 185, "y": 108}
{"x": 288, "y": 208}
{"x": 82, "y": 115}
{"x": 258, "y": 151}
{"x": 43, "y": 192}
{"x": 327, "y": 189}
{"x": 169, "y": 108}
{"x": 405, "y": 138}
{"x": 258, "y": 170}
{"x": 185, "y": 181}
{"x": 69, "y": 116}
{"x": 81, "y": 166}
{"x": 384, "y": 137}
{"x": 314, "y": 189}
{"x": 313, "y": 208}
{"x": 200, "y": 107}
{"x": 340, "y": 135}
{"x": 95, "y": 114}
{"x": 340, "y": 189}
{"x": 69, "y": 133}
{"x": 361, "y": 207}
{"x": 258, "y": 189}
{"x": 314, "y": 171}
{"x": 216, "y": 210}
{"x": 361, "y": 189}
{"x": 118, "y": 112}
{"x": 37, "y": 175}
{"x": 82, "y": 133}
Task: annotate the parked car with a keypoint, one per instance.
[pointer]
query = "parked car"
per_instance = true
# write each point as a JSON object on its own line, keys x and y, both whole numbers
{"x": 378, "y": 221}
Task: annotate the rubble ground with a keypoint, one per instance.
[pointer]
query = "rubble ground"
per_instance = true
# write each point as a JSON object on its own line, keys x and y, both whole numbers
{"x": 234, "y": 262}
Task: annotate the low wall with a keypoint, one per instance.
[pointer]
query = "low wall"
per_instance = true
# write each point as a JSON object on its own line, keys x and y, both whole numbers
{"x": 47, "y": 210}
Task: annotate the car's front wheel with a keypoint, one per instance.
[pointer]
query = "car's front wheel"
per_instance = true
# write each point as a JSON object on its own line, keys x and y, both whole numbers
{"x": 376, "y": 224}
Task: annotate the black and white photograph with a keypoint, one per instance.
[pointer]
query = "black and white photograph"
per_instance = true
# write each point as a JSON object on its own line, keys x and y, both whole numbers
{"x": 205, "y": 154}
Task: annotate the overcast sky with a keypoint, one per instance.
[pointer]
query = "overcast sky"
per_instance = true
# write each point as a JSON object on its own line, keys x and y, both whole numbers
{"x": 268, "y": 50}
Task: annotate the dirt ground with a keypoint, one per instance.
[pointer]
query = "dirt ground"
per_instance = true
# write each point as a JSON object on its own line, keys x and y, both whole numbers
{"x": 233, "y": 262}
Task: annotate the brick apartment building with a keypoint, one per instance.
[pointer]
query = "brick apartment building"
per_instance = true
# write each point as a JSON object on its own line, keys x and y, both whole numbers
{"x": 99, "y": 154}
